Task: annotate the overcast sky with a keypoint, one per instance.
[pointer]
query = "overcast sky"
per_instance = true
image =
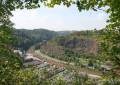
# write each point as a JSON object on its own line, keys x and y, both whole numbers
{"x": 59, "y": 18}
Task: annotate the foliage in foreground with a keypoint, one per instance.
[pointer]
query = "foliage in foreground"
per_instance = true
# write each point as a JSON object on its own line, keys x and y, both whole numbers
{"x": 112, "y": 38}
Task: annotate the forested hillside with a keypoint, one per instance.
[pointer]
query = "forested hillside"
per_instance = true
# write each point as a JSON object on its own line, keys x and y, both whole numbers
{"x": 74, "y": 46}
{"x": 27, "y": 38}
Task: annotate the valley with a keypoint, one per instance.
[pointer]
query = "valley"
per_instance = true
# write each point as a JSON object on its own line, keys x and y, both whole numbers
{"x": 59, "y": 42}
{"x": 68, "y": 55}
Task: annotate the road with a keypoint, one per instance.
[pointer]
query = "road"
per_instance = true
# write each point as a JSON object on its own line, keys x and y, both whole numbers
{"x": 59, "y": 63}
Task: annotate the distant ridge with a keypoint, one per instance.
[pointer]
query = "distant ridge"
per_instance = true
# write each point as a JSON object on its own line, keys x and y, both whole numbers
{"x": 27, "y": 38}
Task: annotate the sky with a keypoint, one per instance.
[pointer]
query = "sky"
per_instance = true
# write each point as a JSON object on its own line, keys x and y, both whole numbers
{"x": 59, "y": 18}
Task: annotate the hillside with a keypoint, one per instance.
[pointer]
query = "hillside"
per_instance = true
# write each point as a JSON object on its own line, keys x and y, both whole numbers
{"x": 27, "y": 38}
{"x": 71, "y": 48}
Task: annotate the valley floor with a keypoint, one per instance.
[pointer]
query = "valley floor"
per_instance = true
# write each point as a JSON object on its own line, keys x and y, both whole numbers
{"x": 58, "y": 63}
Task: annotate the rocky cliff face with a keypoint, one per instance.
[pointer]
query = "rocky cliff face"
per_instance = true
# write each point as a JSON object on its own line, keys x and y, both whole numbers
{"x": 83, "y": 45}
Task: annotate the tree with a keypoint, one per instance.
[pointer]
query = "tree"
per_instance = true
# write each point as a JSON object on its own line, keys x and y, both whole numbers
{"x": 10, "y": 63}
{"x": 60, "y": 81}
{"x": 111, "y": 37}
